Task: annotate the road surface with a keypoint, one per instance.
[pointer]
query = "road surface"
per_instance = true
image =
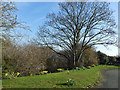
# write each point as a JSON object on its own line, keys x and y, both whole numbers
{"x": 110, "y": 79}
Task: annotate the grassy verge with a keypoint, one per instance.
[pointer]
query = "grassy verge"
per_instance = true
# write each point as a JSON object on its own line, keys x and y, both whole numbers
{"x": 0, "y": 78}
{"x": 83, "y": 78}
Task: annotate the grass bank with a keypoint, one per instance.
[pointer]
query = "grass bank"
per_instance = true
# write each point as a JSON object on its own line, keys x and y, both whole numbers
{"x": 82, "y": 78}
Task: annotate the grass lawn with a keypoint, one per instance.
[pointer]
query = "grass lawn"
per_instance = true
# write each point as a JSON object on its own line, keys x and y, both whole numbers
{"x": 0, "y": 79}
{"x": 82, "y": 79}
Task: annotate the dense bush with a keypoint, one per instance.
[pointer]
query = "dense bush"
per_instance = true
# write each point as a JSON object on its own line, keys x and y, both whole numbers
{"x": 26, "y": 60}
{"x": 103, "y": 58}
{"x": 117, "y": 61}
{"x": 90, "y": 57}
{"x": 56, "y": 61}
{"x": 112, "y": 60}
{"x": 8, "y": 53}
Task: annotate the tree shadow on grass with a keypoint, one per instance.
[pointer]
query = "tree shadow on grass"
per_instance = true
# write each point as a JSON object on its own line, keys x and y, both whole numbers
{"x": 62, "y": 84}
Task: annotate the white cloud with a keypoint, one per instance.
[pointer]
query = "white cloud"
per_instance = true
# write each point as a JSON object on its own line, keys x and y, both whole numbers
{"x": 111, "y": 50}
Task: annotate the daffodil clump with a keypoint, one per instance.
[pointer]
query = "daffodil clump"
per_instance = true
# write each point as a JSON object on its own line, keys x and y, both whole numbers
{"x": 12, "y": 75}
{"x": 83, "y": 68}
{"x": 59, "y": 69}
{"x": 68, "y": 72}
{"x": 70, "y": 82}
{"x": 93, "y": 65}
{"x": 77, "y": 68}
{"x": 44, "y": 72}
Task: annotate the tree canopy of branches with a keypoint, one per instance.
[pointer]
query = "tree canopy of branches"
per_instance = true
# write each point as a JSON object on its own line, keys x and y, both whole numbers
{"x": 78, "y": 25}
{"x": 8, "y": 18}
{"x": 9, "y": 23}
{"x": 9, "y": 26}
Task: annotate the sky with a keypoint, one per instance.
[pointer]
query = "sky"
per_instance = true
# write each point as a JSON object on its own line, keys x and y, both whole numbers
{"x": 34, "y": 14}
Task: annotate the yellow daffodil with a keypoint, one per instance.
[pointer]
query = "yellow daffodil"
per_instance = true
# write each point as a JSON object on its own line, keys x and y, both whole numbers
{"x": 18, "y": 73}
{"x": 59, "y": 69}
{"x": 14, "y": 77}
{"x": 44, "y": 71}
{"x": 6, "y": 74}
{"x": 68, "y": 72}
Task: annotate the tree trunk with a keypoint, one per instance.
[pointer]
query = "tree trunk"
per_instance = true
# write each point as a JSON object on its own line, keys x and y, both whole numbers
{"x": 80, "y": 61}
{"x": 74, "y": 59}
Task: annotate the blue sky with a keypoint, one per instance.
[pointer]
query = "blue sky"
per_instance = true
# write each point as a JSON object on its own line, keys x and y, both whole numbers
{"x": 34, "y": 14}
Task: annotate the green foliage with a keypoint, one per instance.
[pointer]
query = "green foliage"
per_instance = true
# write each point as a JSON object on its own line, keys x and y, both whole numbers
{"x": 112, "y": 60}
{"x": 103, "y": 58}
{"x": 117, "y": 61}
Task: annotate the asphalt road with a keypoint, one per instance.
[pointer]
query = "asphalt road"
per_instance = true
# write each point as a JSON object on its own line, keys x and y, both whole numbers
{"x": 110, "y": 79}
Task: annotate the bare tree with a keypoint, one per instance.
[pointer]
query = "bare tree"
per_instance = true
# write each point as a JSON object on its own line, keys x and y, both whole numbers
{"x": 78, "y": 26}
{"x": 9, "y": 24}
{"x": 8, "y": 18}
